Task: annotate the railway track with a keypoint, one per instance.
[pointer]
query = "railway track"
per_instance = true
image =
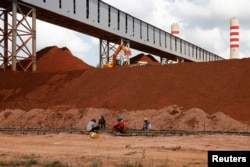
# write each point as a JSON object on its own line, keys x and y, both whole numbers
{"x": 130, "y": 132}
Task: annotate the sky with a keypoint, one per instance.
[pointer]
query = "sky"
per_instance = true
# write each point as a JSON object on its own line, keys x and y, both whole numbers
{"x": 205, "y": 23}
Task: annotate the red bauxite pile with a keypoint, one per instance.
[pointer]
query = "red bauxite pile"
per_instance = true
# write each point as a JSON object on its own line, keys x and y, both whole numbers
{"x": 62, "y": 79}
{"x": 53, "y": 59}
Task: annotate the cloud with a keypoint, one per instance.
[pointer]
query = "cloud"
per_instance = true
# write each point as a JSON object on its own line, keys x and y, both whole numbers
{"x": 202, "y": 22}
{"x": 48, "y": 35}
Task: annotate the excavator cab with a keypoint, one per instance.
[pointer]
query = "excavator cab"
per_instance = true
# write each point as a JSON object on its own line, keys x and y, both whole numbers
{"x": 118, "y": 62}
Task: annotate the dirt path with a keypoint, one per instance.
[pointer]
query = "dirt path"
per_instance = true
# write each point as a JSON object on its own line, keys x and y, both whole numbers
{"x": 81, "y": 150}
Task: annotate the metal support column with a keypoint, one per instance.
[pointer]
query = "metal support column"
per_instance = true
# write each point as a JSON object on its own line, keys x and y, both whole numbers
{"x": 14, "y": 34}
{"x": 107, "y": 49}
{"x": 18, "y": 38}
{"x": 33, "y": 31}
{"x": 104, "y": 52}
{"x": 5, "y": 34}
{"x": 126, "y": 43}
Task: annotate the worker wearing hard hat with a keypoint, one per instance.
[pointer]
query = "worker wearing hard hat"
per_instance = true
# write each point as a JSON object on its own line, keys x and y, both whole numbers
{"x": 146, "y": 124}
{"x": 119, "y": 126}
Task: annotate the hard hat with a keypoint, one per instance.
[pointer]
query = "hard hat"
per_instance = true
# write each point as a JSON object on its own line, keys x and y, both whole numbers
{"x": 145, "y": 118}
{"x": 119, "y": 118}
{"x": 94, "y": 135}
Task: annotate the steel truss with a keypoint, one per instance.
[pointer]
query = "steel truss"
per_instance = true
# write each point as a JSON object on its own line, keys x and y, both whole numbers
{"x": 18, "y": 38}
{"x": 107, "y": 49}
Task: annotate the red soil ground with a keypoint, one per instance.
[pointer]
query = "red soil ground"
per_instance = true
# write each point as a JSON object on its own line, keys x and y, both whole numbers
{"x": 112, "y": 151}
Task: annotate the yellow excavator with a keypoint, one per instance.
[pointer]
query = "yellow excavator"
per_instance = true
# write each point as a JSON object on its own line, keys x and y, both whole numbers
{"x": 119, "y": 62}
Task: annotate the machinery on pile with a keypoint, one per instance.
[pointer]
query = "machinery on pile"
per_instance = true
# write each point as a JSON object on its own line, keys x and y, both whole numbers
{"x": 118, "y": 58}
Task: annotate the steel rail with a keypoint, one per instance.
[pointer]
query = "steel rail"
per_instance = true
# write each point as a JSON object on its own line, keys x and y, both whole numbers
{"x": 130, "y": 132}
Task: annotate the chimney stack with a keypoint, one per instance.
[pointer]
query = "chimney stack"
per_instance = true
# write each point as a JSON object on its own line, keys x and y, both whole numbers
{"x": 234, "y": 38}
{"x": 175, "y": 29}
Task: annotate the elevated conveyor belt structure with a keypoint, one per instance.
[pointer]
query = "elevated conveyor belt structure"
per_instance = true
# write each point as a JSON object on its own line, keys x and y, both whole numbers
{"x": 111, "y": 25}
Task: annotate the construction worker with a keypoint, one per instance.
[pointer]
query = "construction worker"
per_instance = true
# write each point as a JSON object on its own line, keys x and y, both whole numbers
{"x": 119, "y": 126}
{"x": 91, "y": 126}
{"x": 146, "y": 124}
{"x": 102, "y": 122}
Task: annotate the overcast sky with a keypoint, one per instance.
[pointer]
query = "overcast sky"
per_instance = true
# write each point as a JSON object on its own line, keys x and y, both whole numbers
{"x": 205, "y": 23}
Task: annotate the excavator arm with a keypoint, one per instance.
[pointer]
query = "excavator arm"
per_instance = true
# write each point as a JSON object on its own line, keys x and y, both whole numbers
{"x": 118, "y": 50}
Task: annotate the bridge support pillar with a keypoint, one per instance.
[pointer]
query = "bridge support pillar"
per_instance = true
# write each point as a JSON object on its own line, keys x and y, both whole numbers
{"x": 18, "y": 38}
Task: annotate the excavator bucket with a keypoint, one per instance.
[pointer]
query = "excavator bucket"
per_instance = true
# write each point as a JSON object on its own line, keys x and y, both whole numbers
{"x": 128, "y": 52}
{"x": 107, "y": 65}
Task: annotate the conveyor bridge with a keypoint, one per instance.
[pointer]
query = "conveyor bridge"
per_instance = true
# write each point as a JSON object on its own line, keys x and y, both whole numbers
{"x": 92, "y": 17}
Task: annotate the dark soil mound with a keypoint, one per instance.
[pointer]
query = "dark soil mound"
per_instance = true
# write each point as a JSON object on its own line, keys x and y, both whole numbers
{"x": 147, "y": 58}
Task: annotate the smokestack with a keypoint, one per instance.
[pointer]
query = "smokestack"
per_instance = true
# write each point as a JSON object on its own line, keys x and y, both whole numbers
{"x": 234, "y": 38}
{"x": 175, "y": 29}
